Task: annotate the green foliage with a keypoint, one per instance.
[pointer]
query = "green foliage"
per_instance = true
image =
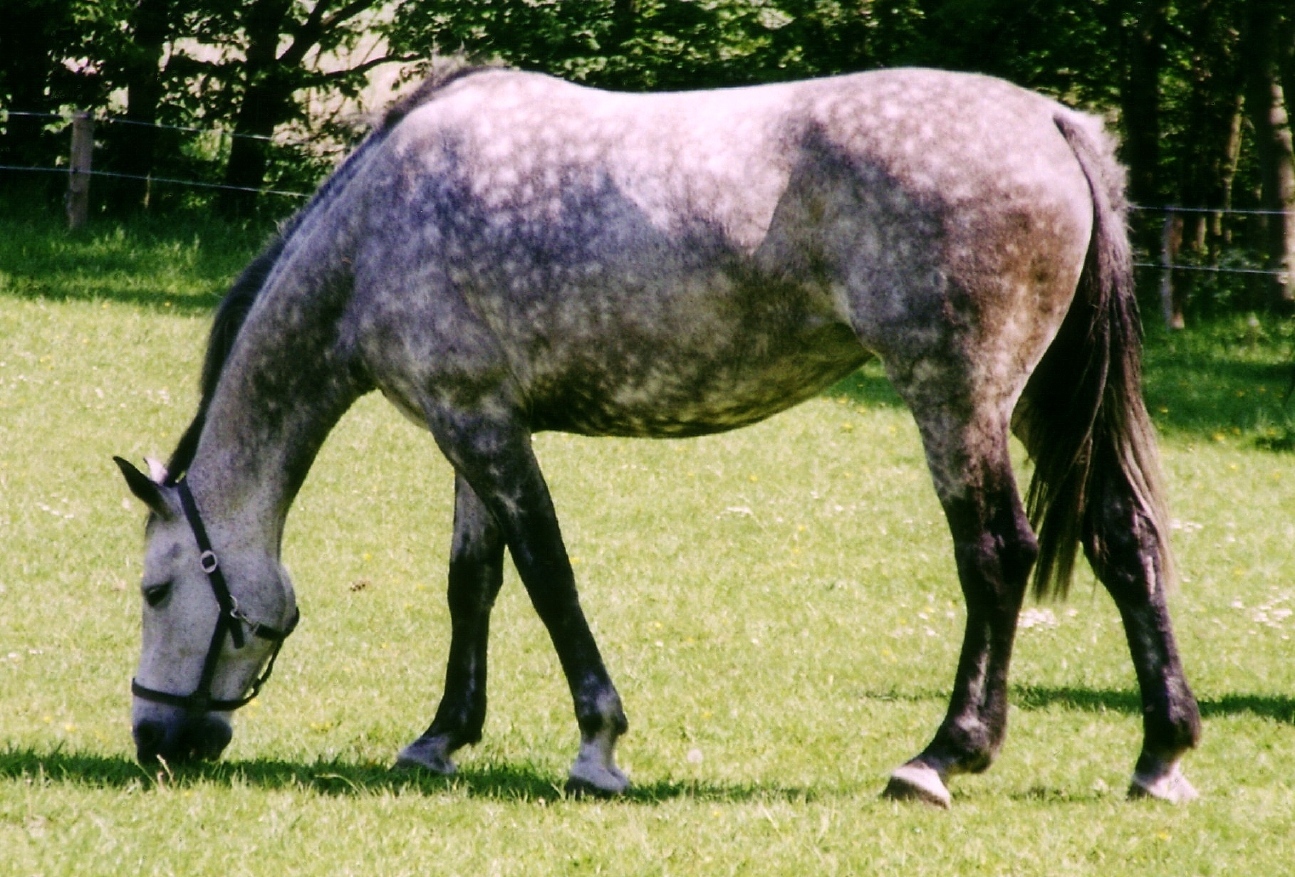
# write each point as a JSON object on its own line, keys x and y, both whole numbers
{"x": 1170, "y": 73}
{"x": 1228, "y": 382}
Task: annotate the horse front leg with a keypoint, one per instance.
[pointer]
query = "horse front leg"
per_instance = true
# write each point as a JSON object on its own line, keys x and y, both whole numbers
{"x": 476, "y": 574}
{"x": 1120, "y": 543}
{"x": 496, "y": 460}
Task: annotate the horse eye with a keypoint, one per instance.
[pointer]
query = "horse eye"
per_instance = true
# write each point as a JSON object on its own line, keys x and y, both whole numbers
{"x": 154, "y": 595}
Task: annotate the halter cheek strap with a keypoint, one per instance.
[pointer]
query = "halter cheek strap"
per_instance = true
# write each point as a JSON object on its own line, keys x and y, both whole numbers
{"x": 230, "y": 620}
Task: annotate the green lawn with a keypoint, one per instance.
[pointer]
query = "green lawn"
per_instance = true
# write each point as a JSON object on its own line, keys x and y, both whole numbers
{"x": 777, "y": 606}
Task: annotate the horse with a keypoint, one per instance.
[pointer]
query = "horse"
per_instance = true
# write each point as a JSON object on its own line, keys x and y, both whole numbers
{"x": 507, "y": 253}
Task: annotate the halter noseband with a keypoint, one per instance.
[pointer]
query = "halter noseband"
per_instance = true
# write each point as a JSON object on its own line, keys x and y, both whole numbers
{"x": 230, "y": 620}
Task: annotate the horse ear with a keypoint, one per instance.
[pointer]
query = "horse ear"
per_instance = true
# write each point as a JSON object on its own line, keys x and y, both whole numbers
{"x": 147, "y": 490}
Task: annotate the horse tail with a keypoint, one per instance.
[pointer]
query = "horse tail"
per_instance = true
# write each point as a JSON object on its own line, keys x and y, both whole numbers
{"x": 1082, "y": 418}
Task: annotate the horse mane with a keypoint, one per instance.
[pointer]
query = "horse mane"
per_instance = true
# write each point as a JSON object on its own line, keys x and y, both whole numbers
{"x": 238, "y": 302}
{"x": 230, "y": 315}
{"x": 444, "y": 73}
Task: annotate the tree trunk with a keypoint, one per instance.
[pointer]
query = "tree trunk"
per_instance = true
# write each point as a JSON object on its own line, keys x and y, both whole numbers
{"x": 624, "y": 23}
{"x": 1266, "y": 110}
{"x": 1143, "y": 42}
{"x": 28, "y": 47}
{"x": 266, "y": 103}
{"x": 136, "y": 144}
{"x": 271, "y": 78}
{"x": 1137, "y": 27}
{"x": 1204, "y": 157}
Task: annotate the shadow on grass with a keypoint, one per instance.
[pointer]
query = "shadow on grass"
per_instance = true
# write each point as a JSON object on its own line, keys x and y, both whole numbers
{"x": 174, "y": 264}
{"x": 343, "y": 778}
{"x": 868, "y": 386}
{"x": 526, "y": 783}
{"x": 1223, "y": 380}
{"x": 1277, "y": 708}
{"x": 1218, "y": 388}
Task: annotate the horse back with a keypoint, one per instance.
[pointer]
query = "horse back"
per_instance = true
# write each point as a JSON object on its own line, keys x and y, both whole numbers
{"x": 684, "y": 262}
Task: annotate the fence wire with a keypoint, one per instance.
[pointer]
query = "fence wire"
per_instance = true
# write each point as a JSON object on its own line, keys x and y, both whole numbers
{"x": 117, "y": 120}
{"x": 120, "y": 120}
{"x": 1214, "y": 269}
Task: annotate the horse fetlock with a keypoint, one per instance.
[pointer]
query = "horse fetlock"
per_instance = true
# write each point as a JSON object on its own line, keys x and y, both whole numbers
{"x": 964, "y": 746}
{"x": 1161, "y": 780}
{"x": 601, "y": 712}
{"x": 430, "y": 753}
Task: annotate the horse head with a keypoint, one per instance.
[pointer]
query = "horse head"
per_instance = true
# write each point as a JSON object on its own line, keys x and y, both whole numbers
{"x": 206, "y": 648}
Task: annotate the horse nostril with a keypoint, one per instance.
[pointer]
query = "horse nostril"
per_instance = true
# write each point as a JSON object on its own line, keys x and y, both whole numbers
{"x": 150, "y": 737}
{"x": 212, "y": 738}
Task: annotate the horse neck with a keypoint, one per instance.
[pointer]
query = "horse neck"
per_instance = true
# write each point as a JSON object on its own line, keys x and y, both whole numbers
{"x": 282, "y": 391}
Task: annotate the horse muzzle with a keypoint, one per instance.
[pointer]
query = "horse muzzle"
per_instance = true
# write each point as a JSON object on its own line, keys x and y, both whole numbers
{"x": 181, "y": 739}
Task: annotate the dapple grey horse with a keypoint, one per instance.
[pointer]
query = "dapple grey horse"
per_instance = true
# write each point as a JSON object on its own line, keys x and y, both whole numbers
{"x": 508, "y": 253}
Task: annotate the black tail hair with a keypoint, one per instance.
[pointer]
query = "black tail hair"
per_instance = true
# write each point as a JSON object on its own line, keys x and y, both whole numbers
{"x": 1082, "y": 417}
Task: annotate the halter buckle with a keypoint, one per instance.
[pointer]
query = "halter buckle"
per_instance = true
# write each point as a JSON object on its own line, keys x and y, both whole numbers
{"x": 207, "y": 560}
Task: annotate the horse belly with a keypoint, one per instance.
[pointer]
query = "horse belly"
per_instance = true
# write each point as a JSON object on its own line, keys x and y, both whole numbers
{"x": 691, "y": 370}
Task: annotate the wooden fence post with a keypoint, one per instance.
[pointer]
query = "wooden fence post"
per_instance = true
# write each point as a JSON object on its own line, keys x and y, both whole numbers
{"x": 1171, "y": 298}
{"x": 78, "y": 175}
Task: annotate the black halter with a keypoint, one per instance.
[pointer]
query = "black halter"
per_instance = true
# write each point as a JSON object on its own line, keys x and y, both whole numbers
{"x": 230, "y": 620}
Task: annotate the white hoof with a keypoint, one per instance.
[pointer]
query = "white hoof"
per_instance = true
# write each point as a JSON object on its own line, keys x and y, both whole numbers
{"x": 427, "y": 753}
{"x": 917, "y": 782}
{"x": 1165, "y": 785}
{"x": 595, "y": 772}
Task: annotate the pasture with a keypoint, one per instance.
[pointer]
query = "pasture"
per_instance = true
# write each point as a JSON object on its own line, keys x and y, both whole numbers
{"x": 777, "y": 605}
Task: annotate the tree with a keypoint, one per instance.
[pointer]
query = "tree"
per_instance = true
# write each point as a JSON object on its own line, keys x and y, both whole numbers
{"x": 279, "y": 38}
{"x": 1206, "y": 137}
{"x": 1269, "y": 44}
{"x": 137, "y": 67}
{"x": 32, "y": 40}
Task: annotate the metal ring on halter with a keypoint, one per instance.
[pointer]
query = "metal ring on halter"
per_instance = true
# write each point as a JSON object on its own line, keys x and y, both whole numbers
{"x": 207, "y": 561}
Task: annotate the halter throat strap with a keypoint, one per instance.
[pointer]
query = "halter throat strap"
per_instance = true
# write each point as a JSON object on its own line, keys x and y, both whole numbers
{"x": 209, "y": 563}
{"x": 229, "y": 620}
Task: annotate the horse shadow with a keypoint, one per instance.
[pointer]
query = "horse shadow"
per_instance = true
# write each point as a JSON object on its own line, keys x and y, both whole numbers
{"x": 525, "y": 782}
{"x": 340, "y": 778}
{"x": 1277, "y": 708}
{"x": 867, "y": 387}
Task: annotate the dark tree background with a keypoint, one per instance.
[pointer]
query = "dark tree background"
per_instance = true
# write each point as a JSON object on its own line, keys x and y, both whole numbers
{"x": 1198, "y": 89}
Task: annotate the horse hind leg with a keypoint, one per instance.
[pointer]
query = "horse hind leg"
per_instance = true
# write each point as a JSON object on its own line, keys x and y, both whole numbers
{"x": 1122, "y": 545}
{"x": 476, "y": 574}
{"x": 995, "y": 549}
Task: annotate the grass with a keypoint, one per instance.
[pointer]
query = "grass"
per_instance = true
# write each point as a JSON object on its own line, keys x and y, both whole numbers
{"x": 777, "y": 605}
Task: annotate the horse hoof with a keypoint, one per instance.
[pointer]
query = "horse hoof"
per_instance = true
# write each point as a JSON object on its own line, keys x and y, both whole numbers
{"x": 917, "y": 782}
{"x": 1169, "y": 785}
{"x": 596, "y": 781}
{"x": 578, "y": 787}
{"x": 431, "y": 754}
